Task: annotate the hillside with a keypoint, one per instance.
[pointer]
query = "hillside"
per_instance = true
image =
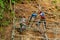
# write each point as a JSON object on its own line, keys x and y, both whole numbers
{"x": 52, "y": 18}
{"x": 25, "y": 7}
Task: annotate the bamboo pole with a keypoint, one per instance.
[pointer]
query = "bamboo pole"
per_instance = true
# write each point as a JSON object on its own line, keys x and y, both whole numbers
{"x": 13, "y": 28}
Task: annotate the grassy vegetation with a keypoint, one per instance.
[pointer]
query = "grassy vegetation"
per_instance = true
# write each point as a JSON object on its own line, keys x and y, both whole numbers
{"x": 6, "y": 15}
{"x": 5, "y": 8}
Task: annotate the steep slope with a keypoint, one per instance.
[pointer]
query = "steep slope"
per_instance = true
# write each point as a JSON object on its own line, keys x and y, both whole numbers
{"x": 52, "y": 19}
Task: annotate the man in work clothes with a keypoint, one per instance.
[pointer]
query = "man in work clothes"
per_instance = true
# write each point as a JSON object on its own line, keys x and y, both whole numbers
{"x": 22, "y": 23}
{"x": 33, "y": 16}
{"x": 42, "y": 19}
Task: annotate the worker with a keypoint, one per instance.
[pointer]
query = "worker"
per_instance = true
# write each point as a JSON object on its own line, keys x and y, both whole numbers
{"x": 22, "y": 23}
